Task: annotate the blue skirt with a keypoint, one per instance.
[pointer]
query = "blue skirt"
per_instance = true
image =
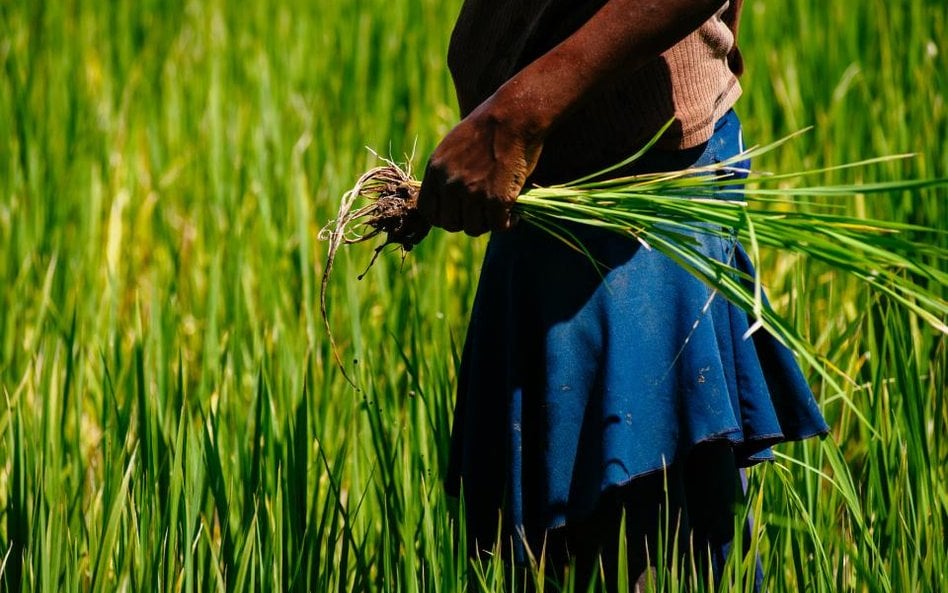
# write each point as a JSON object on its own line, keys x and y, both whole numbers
{"x": 575, "y": 381}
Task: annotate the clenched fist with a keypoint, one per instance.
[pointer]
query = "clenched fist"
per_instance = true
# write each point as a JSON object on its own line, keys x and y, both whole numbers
{"x": 474, "y": 176}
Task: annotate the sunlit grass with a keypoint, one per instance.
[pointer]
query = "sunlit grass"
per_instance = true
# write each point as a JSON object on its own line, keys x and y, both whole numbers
{"x": 171, "y": 417}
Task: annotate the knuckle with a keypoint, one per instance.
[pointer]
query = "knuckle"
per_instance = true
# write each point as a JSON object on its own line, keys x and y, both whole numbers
{"x": 436, "y": 162}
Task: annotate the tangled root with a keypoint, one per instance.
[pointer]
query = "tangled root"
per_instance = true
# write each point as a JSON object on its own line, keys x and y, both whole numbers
{"x": 392, "y": 209}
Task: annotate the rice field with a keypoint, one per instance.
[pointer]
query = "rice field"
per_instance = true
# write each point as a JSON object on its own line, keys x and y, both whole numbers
{"x": 172, "y": 418}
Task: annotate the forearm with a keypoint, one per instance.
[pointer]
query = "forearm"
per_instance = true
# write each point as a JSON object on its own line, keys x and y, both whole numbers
{"x": 621, "y": 36}
{"x": 477, "y": 171}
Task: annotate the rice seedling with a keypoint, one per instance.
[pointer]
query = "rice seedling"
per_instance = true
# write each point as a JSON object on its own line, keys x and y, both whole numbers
{"x": 666, "y": 210}
{"x": 171, "y": 418}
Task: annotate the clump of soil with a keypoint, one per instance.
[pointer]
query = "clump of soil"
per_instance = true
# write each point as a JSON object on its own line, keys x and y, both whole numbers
{"x": 391, "y": 209}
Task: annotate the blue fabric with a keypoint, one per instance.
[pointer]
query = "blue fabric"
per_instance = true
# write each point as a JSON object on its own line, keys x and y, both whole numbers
{"x": 574, "y": 381}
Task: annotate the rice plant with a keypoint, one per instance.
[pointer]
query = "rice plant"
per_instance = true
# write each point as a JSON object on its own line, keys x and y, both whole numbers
{"x": 172, "y": 417}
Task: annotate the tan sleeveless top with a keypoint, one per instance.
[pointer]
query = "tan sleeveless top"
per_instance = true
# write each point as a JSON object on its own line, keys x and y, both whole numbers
{"x": 696, "y": 81}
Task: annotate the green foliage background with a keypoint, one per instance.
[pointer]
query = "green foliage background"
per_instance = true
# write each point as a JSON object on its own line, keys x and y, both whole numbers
{"x": 171, "y": 417}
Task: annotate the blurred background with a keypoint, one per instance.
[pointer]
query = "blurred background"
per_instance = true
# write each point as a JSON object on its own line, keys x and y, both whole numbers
{"x": 171, "y": 415}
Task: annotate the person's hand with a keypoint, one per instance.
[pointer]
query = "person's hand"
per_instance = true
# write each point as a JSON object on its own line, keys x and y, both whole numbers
{"x": 476, "y": 173}
{"x": 474, "y": 176}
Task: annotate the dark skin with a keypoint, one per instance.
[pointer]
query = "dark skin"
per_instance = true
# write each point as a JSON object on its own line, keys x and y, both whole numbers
{"x": 477, "y": 171}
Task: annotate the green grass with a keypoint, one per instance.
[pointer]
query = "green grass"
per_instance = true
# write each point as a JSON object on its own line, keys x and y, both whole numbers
{"x": 172, "y": 418}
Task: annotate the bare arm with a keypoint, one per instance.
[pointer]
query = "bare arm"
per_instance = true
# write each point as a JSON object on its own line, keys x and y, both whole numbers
{"x": 475, "y": 175}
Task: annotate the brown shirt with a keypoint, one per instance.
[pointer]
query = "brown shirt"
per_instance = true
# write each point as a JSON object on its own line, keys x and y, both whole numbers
{"x": 695, "y": 81}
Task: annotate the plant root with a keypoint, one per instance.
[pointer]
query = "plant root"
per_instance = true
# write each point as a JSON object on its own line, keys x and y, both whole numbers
{"x": 392, "y": 210}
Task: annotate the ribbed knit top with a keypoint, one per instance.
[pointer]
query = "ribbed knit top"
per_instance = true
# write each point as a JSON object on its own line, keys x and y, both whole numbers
{"x": 695, "y": 81}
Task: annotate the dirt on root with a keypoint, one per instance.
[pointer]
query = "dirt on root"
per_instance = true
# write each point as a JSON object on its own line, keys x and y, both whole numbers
{"x": 391, "y": 209}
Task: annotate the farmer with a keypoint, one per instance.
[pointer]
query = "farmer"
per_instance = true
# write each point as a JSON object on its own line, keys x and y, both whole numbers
{"x": 587, "y": 391}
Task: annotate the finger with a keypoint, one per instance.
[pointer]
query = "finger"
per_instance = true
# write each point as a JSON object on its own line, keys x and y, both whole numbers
{"x": 498, "y": 215}
{"x": 475, "y": 221}
{"x": 429, "y": 193}
{"x": 418, "y": 231}
{"x": 512, "y": 219}
{"x": 449, "y": 212}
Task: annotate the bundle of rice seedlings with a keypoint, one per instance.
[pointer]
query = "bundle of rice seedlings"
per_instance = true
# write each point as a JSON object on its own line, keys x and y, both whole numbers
{"x": 664, "y": 210}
